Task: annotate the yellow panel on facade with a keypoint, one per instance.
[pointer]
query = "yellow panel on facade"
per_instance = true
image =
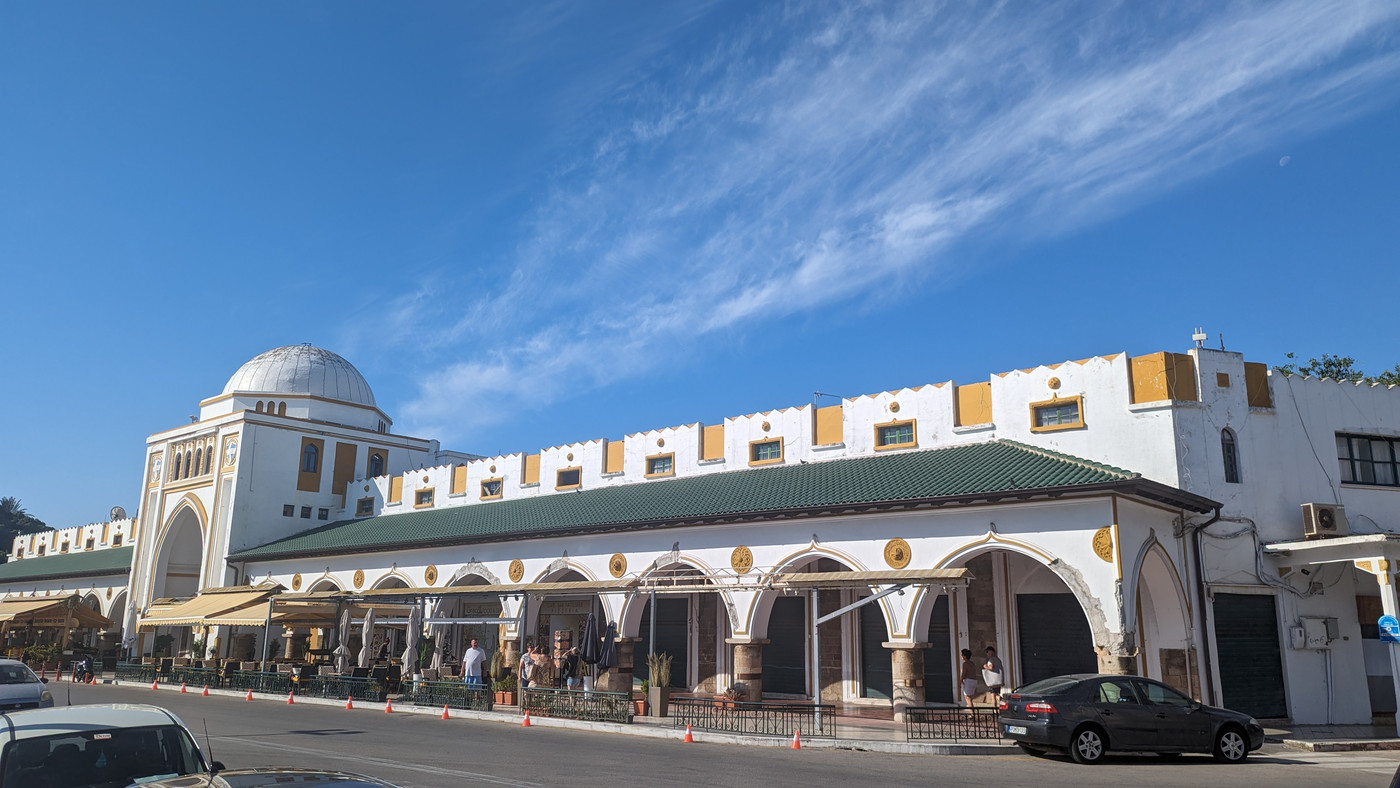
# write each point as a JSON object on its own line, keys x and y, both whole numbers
{"x": 396, "y": 489}
{"x": 459, "y": 480}
{"x": 532, "y": 469}
{"x": 1256, "y": 383}
{"x": 309, "y": 465}
{"x": 1164, "y": 376}
{"x": 829, "y": 425}
{"x": 612, "y": 462}
{"x": 712, "y": 442}
{"x": 344, "y": 471}
{"x": 974, "y": 403}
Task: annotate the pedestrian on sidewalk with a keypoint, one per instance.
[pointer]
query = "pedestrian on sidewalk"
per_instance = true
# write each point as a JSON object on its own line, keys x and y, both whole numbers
{"x": 969, "y": 677}
{"x": 472, "y": 660}
{"x": 569, "y": 669}
{"x": 993, "y": 674}
{"x": 527, "y": 665}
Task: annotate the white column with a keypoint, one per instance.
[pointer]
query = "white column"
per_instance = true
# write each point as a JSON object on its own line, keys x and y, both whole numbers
{"x": 1389, "y": 606}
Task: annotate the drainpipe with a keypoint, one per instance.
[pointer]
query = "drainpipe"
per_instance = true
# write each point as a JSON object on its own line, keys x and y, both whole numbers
{"x": 1203, "y": 635}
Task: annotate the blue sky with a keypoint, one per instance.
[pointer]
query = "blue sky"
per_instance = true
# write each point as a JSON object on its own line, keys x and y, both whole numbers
{"x": 530, "y": 224}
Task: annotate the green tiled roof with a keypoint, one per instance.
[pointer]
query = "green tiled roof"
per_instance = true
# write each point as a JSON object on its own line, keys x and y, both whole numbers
{"x": 995, "y": 469}
{"x": 113, "y": 561}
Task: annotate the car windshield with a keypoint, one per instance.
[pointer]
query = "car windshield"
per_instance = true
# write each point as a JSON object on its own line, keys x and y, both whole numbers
{"x": 1048, "y": 686}
{"x": 101, "y": 759}
{"x": 17, "y": 674}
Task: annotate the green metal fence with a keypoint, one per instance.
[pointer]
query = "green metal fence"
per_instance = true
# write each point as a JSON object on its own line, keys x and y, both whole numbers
{"x": 455, "y": 694}
{"x": 361, "y": 689}
{"x": 951, "y": 723}
{"x": 258, "y": 681}
{"x": 577, "y": 704}
{"x": 135, "y": 672}
{"x": 763, "y": 719}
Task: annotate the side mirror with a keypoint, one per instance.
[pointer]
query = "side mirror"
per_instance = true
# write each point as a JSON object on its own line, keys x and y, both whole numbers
{"x": 216, "y": 767}
{"x": 43, "y": 681}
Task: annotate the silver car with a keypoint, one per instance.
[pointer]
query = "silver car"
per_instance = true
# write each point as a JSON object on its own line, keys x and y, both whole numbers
{"x": 21, "y": 689}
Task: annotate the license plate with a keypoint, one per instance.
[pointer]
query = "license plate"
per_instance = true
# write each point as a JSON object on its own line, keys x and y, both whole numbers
{"x": 1021, "y": 729}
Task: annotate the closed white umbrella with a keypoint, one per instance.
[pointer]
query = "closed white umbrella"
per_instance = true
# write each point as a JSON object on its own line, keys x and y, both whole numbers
{"x": 410, "y": 649}
{"x": 367, "y": 639}
{"x": 438, "y": 633}
{"x": 342, "y": 651}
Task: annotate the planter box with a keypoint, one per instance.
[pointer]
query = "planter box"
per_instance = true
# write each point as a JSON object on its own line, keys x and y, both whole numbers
{"x": 505, "y": 698}
{"x": 639, "y": 707}
{"x": 659, "y": 699}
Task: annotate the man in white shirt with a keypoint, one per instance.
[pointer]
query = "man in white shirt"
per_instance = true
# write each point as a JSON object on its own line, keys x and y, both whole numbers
{"x": 472, "y": 660}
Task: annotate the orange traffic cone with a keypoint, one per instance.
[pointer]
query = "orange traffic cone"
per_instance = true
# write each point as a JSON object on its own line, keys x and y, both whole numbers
{"x": 153, "y": 685}
{"x": 388, "y": 707}
{"x": 290, "y": 702}
{"x": 525, "y": 723}
{"x": 688, "y": 738}
{"x": 444, "y": 712}
{"x": 349, "y": 704}
{"x": 182, "y": 688}
{"x": 796, "y": 740}
{"x": 205, "y": 693}
{"x": 93, "y": 680}
{"x": 250, "y": 695}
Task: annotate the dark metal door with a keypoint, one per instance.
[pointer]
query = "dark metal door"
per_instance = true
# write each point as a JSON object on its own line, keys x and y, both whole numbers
{"x": 672, "y": 638}
{"x": 785, "y": 656}
{"x": 1055, "y": 637}
{"x": 876, "y": 669}
{"x": 1251, "y": 667}
{"x": 938, "y": 660}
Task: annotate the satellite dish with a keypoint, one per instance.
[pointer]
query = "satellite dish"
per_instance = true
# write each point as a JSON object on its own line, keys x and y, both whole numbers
{"x": 118, "y": 513}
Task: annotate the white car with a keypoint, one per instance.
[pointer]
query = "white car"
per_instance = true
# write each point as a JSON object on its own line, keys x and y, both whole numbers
{"x": 20, "y": 688}
{"x": 110, "y": 746}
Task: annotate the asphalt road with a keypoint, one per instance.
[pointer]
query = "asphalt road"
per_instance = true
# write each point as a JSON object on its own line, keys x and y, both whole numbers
{"x": 419, "y": 751}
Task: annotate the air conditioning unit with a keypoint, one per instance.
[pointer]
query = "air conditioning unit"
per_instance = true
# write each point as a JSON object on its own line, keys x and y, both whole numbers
{"x": 1321, "y": 520}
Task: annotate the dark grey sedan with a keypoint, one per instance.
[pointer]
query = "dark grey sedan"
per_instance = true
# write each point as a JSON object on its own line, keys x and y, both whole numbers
{"x": 1089, "y": 714}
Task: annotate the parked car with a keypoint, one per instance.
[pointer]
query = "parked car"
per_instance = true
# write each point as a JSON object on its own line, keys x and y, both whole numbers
{"x": 109, "y": 746}
{"x": 272, "y": 776}
{"x": 20, "y": 688}
{"x": 1087, "y": 715}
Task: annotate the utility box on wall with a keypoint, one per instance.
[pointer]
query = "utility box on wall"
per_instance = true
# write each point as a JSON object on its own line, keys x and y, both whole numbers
{"x": 1315, "y": 633}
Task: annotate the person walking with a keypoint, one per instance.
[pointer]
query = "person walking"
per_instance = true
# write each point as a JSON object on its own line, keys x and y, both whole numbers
{"x": 527, "y": 665}
{"x": 472, "y": 660}
{"x": 569, "y": 669}
{"x": 993, "y": 674}
{"x": 969, "y": 677}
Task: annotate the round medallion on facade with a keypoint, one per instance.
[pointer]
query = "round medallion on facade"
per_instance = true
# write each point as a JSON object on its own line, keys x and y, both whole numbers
{"x": 894, "y": 407}
{"x": 897, "y": 553}
{"x": 493, "y": 469}
{"x": 155, "y": 468}
{"x": 109, "y": 593}
{"x": 296, "y": 581}
{"x": 425, "y": 478}
{"x": 517, "y": 570}
{"x": 1053, "y": 383}
{"x": 741, "y": 559}
{"x": 617, "y": 565}
{"x": 569, "y": 456}
{"x": 766, "y": 426}
{"x": 1103, "y": 544}
{"x": 660, "y": 442}
{"x": 430, "y": 575}
{"x": 359, "y": 577}
{"x": 230, "y": 451}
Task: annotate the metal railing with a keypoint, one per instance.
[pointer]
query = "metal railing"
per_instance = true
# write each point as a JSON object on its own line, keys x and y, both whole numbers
{"x": 455, "y": 694}
{"x": 762, "y": 719}
{"x": 577, "y": 704}
{"x": 954, "y": 724}
{"x": 337, "y": 687}
{"x": 258, "y": 681}
{"x": 195, "y": 677}
{"x": 135, "y": 672}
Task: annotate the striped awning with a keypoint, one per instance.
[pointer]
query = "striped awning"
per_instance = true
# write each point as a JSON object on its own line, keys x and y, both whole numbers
{"x": 212, "y": 608}
{"x": 62, "y": 611}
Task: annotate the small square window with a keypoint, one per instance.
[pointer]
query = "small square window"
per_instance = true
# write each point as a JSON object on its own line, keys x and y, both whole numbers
{"x": 894, "y": 435}
{"x": 89, "y": 544}
{"x": 289, "y": 510}
{"x": 117, "y": 540}
{"x": 323, "y": 514}
{"x": 491, "y": 488}
{"x": 661, "y": 465}
{"x": 761, "y": 452}
{"x": 364, "y": 506}
{"x": 423, "y": 498}
{"x": 568, "y": 477}
{"x": 306, "y": 512}
{"x": 1060, "y": 414}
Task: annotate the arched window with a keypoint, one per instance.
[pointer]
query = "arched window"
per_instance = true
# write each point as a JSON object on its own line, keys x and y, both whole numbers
{"x": 258, "y": 407}
{"x": 376, "y": 464}
{"x": 209, "y": 459}
{"x": 186, "y": 473}
{"x": 1230, "y": 452}
{"x": 281, "y": 409}
{"x": 175, "y": 469}
{"x": 308, "y": 458}
{"x": 199, "y": 461}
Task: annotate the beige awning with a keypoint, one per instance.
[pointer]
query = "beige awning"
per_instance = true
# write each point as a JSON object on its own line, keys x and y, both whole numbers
{"x": 894, "y": 577}
{"x": 215, "y": 607}
{"x": 63, "y": 611}
{"x": 564, "y": 587}
{"x": 324, "y": 615}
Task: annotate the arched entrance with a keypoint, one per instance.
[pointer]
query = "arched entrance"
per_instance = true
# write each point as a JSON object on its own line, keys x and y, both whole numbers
{"x": 176, "y": 573}
{"x": 1163, "y": 617}
{"x": 690, "y": 628}
{"x": 453, "y": 640}
{"x": 787, "y": 656}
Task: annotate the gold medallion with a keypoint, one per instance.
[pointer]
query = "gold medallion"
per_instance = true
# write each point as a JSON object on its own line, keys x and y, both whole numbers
{"x": 1103, "y": 544}
{"x": 617, "y": 565}
{"x": 517, "y": 570}
{"x": 741, "y": 559}
{"x": 359, "y": 577}
{"x": 296, "y": 581}
{"x": 430, "y": 575}
{"x": 897, "y": 553}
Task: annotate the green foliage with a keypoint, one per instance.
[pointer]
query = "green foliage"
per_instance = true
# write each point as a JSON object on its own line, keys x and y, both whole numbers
{"x": 504, "y": 684}
{"x": 15, "y": 521}
{"x": 197, "y": 648}
{"x": 497, "y": 669}
{"x": 41, "y": 655}
{"x": 1338, "y": 368}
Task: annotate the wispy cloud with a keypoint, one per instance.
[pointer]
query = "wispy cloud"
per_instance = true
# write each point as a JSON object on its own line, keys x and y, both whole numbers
{"x": 813, "y": 154}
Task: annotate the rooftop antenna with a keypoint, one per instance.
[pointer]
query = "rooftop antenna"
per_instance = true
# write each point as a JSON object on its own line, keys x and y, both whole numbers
{"x": 1222, "y": 341}
{"x": 1200, "y": 337}
{"x": 816, "y": 395}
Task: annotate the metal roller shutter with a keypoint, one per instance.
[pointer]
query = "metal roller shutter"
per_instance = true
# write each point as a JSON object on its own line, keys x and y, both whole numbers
{"x": 785, "y": 656}
{"x": 938, "y": 664}
{"x": 1247, "y": 646}
{"x": 1055, "y": 637}
{"x": 876, "y": 669}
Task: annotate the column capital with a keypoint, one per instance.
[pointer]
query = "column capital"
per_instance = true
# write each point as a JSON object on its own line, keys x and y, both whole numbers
{"x": 906, "y": 644}
{"x": 747, "y": 641}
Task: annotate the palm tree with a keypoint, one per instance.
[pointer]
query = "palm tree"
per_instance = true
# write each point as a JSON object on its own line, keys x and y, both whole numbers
{"x": 15, "y": 521}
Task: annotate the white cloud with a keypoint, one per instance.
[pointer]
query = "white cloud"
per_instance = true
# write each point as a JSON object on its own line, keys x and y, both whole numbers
{"x": 809, "y": 156}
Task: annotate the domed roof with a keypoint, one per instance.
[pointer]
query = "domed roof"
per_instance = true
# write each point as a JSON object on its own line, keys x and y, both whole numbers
{"x": 302, "y": 369}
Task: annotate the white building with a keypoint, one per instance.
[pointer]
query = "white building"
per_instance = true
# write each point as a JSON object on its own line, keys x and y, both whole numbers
{"x": 1126, "y": 514}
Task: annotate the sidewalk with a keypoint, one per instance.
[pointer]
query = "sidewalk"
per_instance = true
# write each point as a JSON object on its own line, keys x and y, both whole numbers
{"x": 1334, "y": 738}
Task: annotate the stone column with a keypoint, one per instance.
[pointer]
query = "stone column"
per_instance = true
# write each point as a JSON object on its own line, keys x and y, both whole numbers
{"x": 748, "y": 666}
{"x": 907, "y": 665}
{"x": 619, "y": 677}
{"x": 510, "y": 655}
{"x": 1118, "y": 662}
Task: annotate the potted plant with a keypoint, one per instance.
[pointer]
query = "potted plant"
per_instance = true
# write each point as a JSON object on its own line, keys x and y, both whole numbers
{"x": 734, "y": 694}
{"x": 639, "y": 705}
{"x": 659, "y": 693}
{"x": 504, "y": 688}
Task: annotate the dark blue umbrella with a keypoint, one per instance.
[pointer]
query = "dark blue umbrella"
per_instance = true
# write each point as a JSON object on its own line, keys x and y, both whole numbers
{"x": 590, "y": 649}
{"x": 607, "y": 658}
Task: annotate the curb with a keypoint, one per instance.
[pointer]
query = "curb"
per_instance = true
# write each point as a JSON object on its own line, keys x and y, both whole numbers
{"x": 1336, "y": 745}
{"x": 643, "y": 730}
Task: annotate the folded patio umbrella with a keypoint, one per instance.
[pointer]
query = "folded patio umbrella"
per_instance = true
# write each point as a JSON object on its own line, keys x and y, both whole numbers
{"x": 410, "y": 650}
{"x": 589, "y": 647}
{"x": 367, "y": 639}
{"x": 608, "y": 656}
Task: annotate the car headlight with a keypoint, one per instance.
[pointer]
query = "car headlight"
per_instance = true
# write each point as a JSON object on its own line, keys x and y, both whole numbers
{"x": 1253, "y": 723}
{"x": 46, "y": 698}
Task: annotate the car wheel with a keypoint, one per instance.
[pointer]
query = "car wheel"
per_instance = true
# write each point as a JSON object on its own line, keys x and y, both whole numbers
{"x": 1230, "y": 746}
{"x": 1088, "y": 745}
{"x": 1029, "y": 750}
